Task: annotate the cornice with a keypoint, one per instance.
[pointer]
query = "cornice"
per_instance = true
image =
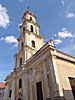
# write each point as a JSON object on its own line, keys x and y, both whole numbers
{"x": 29, "y": 32}
{"x": 64, "y": 56}
{"x": 28, "y": 21}
{"x": 22, "y": 34}
{"x": 30, "y": 48}
{"x": 15, "y": 72}
{"x": 54, "y": 53}
{"x": 32, "y": 22}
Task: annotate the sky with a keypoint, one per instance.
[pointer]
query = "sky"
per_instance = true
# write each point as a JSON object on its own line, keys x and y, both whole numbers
{"x": 55, "y": 17}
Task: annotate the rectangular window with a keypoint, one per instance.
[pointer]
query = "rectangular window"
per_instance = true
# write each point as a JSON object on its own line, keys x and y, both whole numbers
{"x": 20, "y": 83}
{"x": 20, "y": 62}
{"x": 39, "y": 91}
{"x": 10, "y": 93}
{"x": 72, "y": 83}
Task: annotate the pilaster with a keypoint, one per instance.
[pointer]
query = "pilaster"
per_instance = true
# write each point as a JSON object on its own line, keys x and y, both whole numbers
{"x": 31, "y": 95}
{"x": 6, "y": 92}
{"x": 46, "y": 81}
{"x": 55, "y": 76}
{"x": 30, "y": 78}
{"x": 24, "y": 84}
{"x": 13, "y": 87}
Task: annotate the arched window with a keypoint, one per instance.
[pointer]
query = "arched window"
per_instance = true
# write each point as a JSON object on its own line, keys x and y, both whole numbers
{"x": 30, "y": 18}
{"x": 31, "y": 28}
{"x": 33, "y": 43}
{"x": 20, "y": 62}
{"x": 20, "y": 83}
{"x": 22, "y": 45}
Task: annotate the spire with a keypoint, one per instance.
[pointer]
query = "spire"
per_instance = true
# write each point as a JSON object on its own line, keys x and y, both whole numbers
{"x": 28, "y": 12}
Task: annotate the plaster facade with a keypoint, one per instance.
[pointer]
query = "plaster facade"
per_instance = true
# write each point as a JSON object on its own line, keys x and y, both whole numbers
{"x": 43, "y": 68}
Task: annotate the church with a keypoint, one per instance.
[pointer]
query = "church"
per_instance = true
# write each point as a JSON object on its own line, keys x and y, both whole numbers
{"x": 41, "y": 72}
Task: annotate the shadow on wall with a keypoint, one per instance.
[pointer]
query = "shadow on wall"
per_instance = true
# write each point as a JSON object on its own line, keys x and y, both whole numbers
{"x": 68, "y": 95}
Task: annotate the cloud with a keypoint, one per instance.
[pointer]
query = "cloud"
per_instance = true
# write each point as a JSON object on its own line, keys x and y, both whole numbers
{"x": 4, "y": 17}
{"x": 58, "y": 41}
{"x": 55, "y": 34}
{"x": 70, "y": 15}
{"x": 62, "y": 1}
{"x": 64, "y": 33}
{"x": 72, "y": 40}
{"x": 2, "y": 38}
{"x": 10, "y": 39}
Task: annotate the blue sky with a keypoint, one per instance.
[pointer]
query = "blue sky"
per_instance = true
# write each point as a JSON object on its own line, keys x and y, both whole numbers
{"x": 55, "y": 17}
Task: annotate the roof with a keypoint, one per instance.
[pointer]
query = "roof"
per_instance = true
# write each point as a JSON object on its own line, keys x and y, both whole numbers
{"x": 65, "y": 54}
{"x": 58, "y": 53}
{"x": 28, "y": 12}
{"x": 2, "y": 85}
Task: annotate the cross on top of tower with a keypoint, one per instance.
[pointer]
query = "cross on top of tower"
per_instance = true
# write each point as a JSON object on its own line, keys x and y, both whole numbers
{"x": 28, "y": 7}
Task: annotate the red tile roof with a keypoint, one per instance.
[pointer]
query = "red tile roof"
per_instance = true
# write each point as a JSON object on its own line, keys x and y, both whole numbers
{"x": 2, "y": 85}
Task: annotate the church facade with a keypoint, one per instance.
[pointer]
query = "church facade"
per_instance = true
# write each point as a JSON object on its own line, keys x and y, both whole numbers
{"x": 41, "y": 72}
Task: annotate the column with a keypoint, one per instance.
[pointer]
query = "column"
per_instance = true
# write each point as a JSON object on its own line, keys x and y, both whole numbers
{"x": 31, "y": 95}
{"x": 24, "y": 85}
{"x": 55, "y": 76}
{"x": 46, "y": 81}
{"x": 35, "y": 90}
{"x": 25, "y": 54}
{"x": 13, "y": 87}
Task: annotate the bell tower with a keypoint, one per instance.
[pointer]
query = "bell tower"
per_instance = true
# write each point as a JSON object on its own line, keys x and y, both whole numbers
{"x": 29, "y": 41}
